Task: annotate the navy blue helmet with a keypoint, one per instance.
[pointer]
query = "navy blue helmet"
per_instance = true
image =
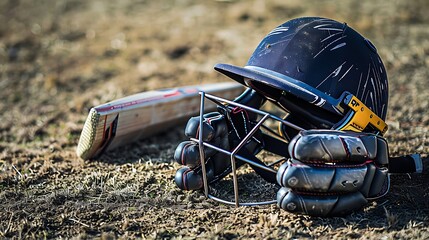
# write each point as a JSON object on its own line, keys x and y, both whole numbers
{"x": 323, "y": 73}
{"x": 319, "y": 70}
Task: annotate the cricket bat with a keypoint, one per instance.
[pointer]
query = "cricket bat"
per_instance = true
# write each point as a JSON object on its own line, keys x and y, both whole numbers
{"x": 125, "y": 120}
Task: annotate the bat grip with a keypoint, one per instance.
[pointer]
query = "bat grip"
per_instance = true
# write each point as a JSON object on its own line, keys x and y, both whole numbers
{"x": 406, "y": 164}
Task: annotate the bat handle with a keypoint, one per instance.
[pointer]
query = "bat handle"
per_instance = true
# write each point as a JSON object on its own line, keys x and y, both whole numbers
{"x": 406, "y": 164}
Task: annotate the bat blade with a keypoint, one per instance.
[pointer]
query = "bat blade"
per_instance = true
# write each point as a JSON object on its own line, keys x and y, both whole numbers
{"x": 125, "y": 120}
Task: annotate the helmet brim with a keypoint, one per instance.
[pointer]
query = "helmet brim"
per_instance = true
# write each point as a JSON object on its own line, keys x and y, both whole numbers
{"x": 265, "y": 82}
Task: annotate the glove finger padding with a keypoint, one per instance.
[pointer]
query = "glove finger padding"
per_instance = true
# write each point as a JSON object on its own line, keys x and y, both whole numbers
{"x": 192, "y": 178}
{"x": 187, "y": 153}
{"x": 328, "y": 191}
{"x": 224, "y": 130}
{"x": 338, "y": 146}
{"x": 320, "y": 206}
{"x": 213, "y": 126}
{"x": 188, "y": 179}
{"x": 332, "y": 173}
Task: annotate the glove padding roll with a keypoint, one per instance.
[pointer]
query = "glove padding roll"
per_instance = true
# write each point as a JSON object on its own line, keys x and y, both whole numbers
{"x": 225, "y": 130}
{"x": 332, "y": 173}
{"x": 187, "y": 153}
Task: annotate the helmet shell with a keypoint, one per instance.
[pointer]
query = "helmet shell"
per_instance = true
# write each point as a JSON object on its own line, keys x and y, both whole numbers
{"x": 316, "y": 60}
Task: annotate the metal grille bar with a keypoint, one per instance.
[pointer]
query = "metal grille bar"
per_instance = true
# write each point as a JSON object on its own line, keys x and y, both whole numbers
{"x": 233, "y": 154}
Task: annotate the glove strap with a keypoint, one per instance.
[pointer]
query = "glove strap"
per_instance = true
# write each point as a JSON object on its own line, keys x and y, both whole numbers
{"x": 406, "y": 164}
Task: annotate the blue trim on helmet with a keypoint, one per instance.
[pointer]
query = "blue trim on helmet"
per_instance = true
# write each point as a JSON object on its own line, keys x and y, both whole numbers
{"x": 345, "y": 122}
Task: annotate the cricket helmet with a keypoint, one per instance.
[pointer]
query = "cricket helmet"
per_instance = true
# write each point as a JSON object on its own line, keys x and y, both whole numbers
{"x": 315, "y": 68}
{"x": 323, "y": 73}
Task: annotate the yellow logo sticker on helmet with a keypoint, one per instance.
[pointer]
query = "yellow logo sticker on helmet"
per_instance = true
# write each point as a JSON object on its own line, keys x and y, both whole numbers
{"x": 361, "y": 116}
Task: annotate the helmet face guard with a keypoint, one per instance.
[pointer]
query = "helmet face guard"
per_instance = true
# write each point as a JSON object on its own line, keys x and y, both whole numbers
{"x": 224, "y": 103}
{"x": 357, "y": 117}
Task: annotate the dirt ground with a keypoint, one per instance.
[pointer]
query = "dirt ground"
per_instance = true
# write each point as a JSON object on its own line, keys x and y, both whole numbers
{"x": 59, "y": 58}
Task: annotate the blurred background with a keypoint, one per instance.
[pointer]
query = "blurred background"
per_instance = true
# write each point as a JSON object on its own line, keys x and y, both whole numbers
{"x": 59, "y": 58}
